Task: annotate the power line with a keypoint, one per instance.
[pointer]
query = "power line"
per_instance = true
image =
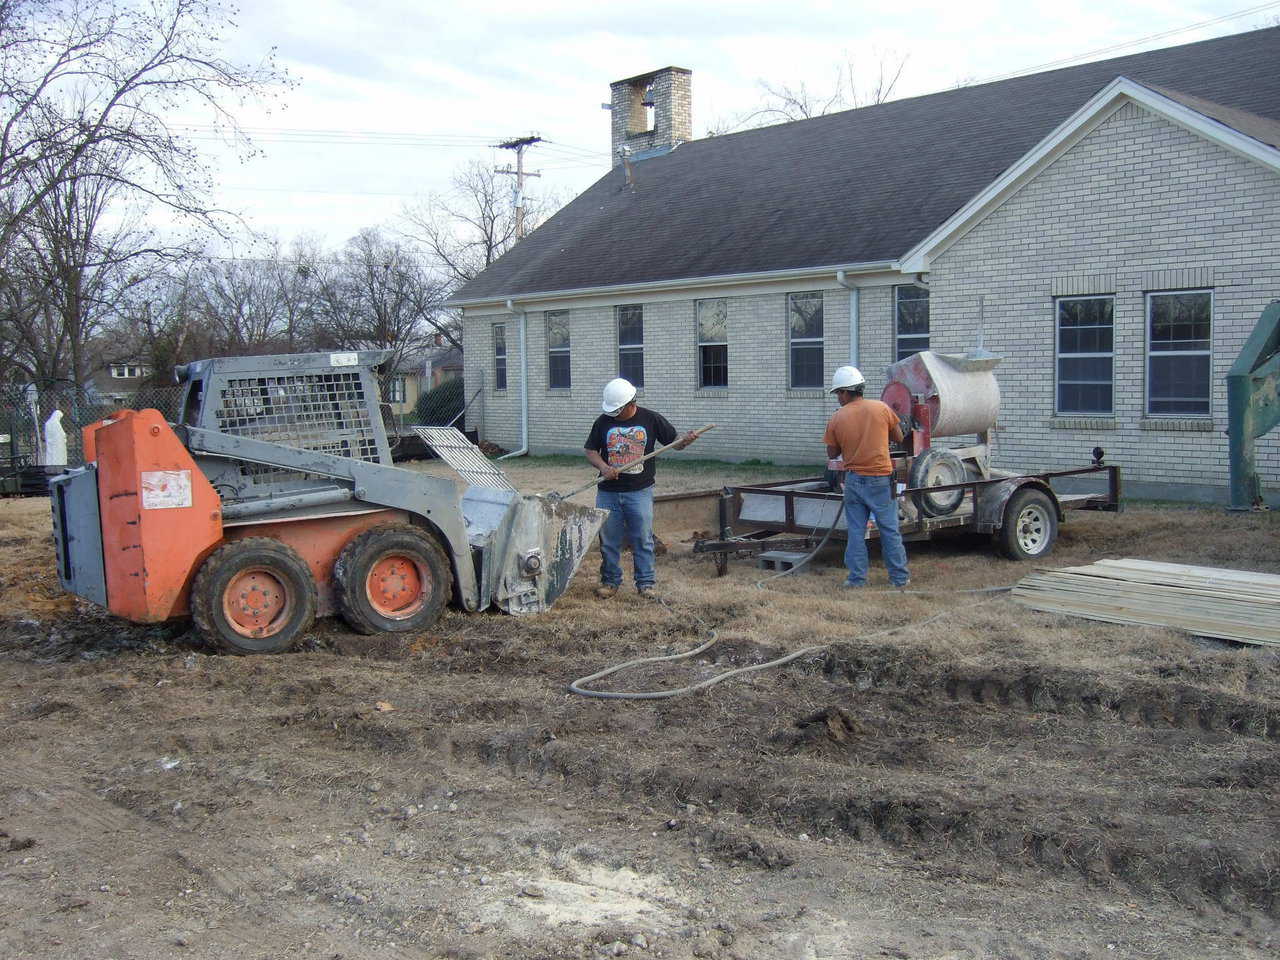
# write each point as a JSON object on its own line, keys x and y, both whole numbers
{"x": 519, "y": 145}
{"x": 1133, "y": 43}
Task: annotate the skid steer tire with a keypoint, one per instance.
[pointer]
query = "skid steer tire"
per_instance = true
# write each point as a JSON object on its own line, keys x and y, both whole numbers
{"x": 392, "y": 579}
{"x": 254, "y": 595}
{"x": 1030, "y": 526}
{"x": 938, "y": 467}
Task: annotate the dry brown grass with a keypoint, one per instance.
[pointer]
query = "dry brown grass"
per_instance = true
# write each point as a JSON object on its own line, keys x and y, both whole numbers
{"x": 936, "y": 620}
{"x": 28, "y": 578}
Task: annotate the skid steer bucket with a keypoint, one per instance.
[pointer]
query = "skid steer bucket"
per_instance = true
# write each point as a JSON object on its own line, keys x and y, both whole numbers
{"x": 530, "y": 546}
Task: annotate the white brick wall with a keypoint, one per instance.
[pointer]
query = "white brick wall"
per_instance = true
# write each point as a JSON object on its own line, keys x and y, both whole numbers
{"x": 1138, "y": 204}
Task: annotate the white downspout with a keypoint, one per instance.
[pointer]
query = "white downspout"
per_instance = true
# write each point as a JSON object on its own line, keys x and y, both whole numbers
{"x": 524, "y": 384}
{"x": 855, "y": 306}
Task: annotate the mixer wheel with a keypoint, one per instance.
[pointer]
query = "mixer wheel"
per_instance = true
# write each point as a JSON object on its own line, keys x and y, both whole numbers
{"x": 1030, "y": 526}
{"x": 938, "y": 467}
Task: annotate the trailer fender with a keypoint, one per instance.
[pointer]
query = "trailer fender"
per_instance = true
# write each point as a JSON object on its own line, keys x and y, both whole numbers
{"x": 988, "y": 515}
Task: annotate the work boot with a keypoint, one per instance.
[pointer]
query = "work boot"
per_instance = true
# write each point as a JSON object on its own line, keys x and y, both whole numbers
{"x": 606, "y": 590}
{"x": 648, "y": 592}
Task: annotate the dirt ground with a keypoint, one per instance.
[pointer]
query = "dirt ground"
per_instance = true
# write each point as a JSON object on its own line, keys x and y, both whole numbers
{"x": 993, "y": 782}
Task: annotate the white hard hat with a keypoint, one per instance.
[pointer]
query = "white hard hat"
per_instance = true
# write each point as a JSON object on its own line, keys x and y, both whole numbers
{"x": 846, "y": 378}
{"x": 617, "y": 394}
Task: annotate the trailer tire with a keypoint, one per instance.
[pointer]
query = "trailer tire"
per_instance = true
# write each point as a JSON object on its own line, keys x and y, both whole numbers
{"x": 391, "y": 579}
{"x": 254, "y": 595}
{"x": 1030, "y": 527}
{"x": 938, "y": 467}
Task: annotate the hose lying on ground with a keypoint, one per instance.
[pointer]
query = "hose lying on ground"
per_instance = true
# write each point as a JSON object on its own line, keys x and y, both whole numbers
{"x": 578, "y": 686}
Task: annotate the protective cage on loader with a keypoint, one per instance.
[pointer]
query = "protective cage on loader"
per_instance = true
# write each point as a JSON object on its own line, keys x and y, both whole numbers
{"x": 274, "y": 501}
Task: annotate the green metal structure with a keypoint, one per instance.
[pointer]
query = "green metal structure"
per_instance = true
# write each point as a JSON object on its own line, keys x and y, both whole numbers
{"x": 1253, "y": 406}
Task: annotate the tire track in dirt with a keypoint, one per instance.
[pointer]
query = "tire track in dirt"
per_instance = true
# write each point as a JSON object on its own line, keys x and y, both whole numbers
{"x": 1228, "y": 875}
{"x": 1038, "y": 688}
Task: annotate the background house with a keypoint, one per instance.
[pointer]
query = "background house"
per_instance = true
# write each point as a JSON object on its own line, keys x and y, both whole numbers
{"x": 1112, "y": 228}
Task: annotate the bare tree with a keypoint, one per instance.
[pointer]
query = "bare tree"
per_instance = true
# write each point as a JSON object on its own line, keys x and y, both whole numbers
{"x": 473, "y": 224}
{"x": 783, "y": 102}
{"x": 78, "y": 76}
{"x": 379, "y": 294}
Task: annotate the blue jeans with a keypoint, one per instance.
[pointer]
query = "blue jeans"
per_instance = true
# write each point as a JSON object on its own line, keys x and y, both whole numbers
{"x": 630, "y": 518}
{"x": 874, "y": 496}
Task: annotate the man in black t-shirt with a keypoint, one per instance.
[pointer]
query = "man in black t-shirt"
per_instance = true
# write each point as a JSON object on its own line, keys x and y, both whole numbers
{"x": 620, "y": 437}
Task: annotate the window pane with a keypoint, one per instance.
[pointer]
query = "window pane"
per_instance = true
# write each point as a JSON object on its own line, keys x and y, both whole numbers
{"x": 714, "y": 365}
{"x": 1179, "y": 384}
{"x": 713, "y": 321}
{"x": 558, "y": 370}
{"x": 909, "y": 345}
{"x": 558, "y": 329}
{"x": 804, "y": 311}
{"x": 500, "y": 373}
{"x": 1085, "y": 340}
{"x": 631, "y": 365}
{"x": 1180, "y": 321}
{"x": 806, "y": 365}
{"x": 1085, "y": 312}
{"x": 1084, "y": 369}
{"x": 499, "y": 340}
{"x": 631, "y": 325}
{"x": 1084, "y": 397}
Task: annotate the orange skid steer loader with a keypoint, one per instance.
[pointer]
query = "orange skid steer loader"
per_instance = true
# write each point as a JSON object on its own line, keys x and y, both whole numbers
{"x": 274, "y": 500}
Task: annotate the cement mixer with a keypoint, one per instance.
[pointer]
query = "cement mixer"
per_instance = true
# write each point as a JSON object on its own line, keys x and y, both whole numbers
{"x": 940, "y": 486}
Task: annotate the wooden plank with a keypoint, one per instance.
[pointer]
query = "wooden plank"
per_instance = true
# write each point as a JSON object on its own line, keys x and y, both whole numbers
{"x": 1230, "y": 604}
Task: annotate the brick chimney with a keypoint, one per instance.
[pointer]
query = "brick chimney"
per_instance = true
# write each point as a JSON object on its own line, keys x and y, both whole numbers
{"x": 669, "y": 93}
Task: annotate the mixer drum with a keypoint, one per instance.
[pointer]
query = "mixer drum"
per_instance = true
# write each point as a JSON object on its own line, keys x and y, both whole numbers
{"x": 960, "y": 391}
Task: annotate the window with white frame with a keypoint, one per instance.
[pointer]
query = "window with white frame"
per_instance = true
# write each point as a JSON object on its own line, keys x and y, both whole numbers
{"x": 1084, "y": 368}
{"x": 713, "y": 342}
{"x": 499, "y": 356}
{"x": 804, "y": 328}
{"x": 558, "y": 375}
{"x": 396, "y": 390}
{"x": 911, "y": 319}
{"x": 631, "y": 343}
{"x": 1179, "y": 335}
{"x": 127, "y": 371}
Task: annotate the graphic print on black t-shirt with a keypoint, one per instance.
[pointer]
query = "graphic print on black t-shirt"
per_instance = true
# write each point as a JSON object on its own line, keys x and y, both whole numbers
{"x": 621, "y": 443}
{"x": 625, "y": 446}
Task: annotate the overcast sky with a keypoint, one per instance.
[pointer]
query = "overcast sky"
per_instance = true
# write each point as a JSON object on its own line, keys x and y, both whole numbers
{"x": 392, "y": 97}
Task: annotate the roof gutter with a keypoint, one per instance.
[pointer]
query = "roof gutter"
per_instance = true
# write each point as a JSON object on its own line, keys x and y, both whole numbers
{"x": 524, "y": 382}
{"x": 719, "y": 280}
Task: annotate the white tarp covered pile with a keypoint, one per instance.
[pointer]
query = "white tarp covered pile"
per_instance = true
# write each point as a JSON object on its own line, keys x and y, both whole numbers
{"x": 1206, "y": 601}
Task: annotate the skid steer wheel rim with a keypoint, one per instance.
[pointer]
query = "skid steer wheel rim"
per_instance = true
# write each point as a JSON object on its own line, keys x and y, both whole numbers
{"x": 397, "y": 586}
{"x": 257, "y": 602}
{"x": 1033, "y": 528}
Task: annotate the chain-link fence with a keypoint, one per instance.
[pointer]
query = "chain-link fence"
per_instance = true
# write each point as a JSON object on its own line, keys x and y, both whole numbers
{"x": 25, "y": 410}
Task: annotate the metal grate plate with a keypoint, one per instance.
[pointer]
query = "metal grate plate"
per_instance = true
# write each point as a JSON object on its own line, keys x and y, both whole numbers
{"x": 464, "y": 456}
{"x": 325, "y": 412}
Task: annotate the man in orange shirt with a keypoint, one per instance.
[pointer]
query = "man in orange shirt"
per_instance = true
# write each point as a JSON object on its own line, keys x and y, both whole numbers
{"x": 860, "y": 432}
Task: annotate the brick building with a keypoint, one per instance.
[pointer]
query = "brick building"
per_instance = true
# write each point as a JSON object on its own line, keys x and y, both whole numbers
{"x": 1112, "y": 228}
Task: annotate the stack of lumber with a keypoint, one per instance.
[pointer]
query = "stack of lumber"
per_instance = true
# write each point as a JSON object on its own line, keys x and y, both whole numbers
{"x": 1206, "y": 601}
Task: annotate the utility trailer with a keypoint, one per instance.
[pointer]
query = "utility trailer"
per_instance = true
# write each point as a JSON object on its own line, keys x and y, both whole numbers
{"x": 938, "y": 488}
{"x": 1020, "y": 511}
{"x": 274, "y": 500}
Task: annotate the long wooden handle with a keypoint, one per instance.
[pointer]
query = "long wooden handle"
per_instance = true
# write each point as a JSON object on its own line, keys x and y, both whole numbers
{"x": 648, "y": 456}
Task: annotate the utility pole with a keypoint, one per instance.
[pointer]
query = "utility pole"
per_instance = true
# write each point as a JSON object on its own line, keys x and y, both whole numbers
{"x": 519, "y": 145}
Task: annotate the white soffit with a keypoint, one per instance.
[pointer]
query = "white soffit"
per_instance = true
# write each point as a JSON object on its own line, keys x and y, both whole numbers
{"x": 1080, "y": 124}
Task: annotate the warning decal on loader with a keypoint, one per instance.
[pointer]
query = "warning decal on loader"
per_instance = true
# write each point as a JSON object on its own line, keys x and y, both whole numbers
{"x": 166, "y": 489}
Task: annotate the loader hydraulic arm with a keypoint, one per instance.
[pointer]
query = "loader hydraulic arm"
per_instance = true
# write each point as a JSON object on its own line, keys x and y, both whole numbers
{"x": 434, "y": 499}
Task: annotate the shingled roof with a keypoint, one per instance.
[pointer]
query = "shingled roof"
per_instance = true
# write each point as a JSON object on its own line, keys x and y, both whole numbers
{"x": 859, "y": 186}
